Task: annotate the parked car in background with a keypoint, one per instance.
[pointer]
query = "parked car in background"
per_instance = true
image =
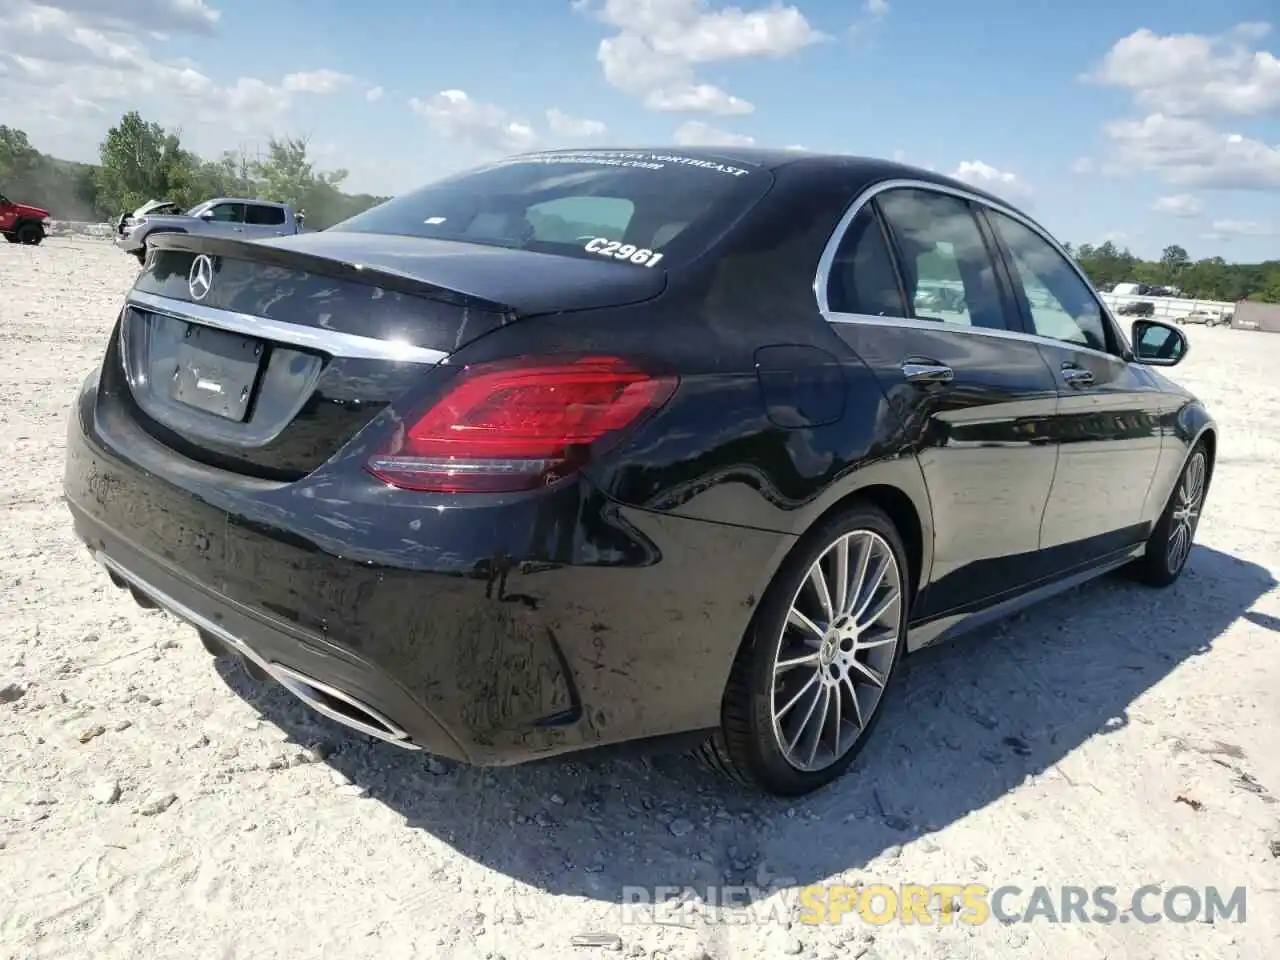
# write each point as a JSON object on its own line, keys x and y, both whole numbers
{"x": 22, "y": 223}
{"x": 220, "y": 217}
{"x": 1137, "y": 308}
{"x": 157, "y": 208}
{"x": 594, "y": 446}
{"x": 1206, "y": 317}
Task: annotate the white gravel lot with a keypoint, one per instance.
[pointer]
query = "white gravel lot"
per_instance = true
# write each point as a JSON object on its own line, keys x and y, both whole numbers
{"x": 153, "y": 804}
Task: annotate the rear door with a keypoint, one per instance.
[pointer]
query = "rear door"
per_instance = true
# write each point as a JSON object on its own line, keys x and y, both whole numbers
{"x": 264, "y": 220}
{"x": 1107, "y": 427}
{"x": 974, "y": 394}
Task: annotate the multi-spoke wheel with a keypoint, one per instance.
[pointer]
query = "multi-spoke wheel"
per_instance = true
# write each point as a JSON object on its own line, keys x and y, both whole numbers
{"x": 1170, "y": 543}
{"x": 808, "y": 683}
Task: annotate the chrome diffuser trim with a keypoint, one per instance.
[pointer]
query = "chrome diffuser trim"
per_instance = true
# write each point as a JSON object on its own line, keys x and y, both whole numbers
{"x": 290, "y": 679}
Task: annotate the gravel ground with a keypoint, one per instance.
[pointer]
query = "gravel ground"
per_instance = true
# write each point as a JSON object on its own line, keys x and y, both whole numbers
{"x": 154, "y": 804}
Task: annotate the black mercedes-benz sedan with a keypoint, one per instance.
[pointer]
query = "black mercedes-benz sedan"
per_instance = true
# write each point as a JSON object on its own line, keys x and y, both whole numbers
{"x": 584, "y": 447}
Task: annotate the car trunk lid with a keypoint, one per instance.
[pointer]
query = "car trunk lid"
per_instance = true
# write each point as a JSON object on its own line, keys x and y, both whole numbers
{"x": 266, "y": 358}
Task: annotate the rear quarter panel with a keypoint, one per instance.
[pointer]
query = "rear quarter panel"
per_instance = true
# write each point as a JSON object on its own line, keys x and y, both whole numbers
{"x": 714, "y": 452}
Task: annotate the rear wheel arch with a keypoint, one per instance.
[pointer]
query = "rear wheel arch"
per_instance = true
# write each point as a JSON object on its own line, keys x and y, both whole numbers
{"x": 889, "y": 514}
{"x": 902, "y": 510}
{"x": 897, "y": 487}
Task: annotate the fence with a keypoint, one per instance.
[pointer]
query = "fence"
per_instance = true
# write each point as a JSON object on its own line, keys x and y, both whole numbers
{"x": 1168, "y": 307}
{"x": 81, "y": 229}
{"x": 1171, "y": 306}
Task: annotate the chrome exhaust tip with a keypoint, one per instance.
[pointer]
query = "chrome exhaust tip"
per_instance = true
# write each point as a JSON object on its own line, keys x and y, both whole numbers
{"x": 340, "y": 706}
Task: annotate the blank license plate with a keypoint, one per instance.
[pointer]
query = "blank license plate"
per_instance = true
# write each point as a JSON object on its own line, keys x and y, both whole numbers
{"x": 216, "y": 372}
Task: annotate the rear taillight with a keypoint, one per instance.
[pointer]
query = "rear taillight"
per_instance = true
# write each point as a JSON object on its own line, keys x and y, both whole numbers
{"x": 520, "y": 424}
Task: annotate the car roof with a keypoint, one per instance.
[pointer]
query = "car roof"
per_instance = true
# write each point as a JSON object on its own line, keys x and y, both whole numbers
{"x": 869, "y": 169}
{"x": 268, "y": 203}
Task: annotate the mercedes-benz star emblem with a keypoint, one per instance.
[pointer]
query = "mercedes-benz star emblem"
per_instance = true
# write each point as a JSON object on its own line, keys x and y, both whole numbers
{"x": 200, "y": 279}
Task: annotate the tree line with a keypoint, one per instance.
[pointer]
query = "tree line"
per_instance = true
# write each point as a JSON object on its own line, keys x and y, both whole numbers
{"x": 1210, "y": 279}
{"x": 141, "y": 160}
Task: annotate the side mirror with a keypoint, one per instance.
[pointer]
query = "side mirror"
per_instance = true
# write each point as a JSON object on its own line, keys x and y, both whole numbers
{"x": 1158, "y": 344}
{"x": 206, "y": 215}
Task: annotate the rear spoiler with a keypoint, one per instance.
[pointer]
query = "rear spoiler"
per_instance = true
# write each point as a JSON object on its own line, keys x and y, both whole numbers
{"x": 287, "y": 258}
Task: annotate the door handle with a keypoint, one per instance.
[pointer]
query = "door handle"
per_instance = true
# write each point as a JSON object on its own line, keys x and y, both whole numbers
{"x": 1076, "y": 376}
{"x": 924, "y": 370}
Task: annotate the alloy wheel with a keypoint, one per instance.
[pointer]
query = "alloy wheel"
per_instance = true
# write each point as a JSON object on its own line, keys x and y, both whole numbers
{"x": 837, "y": 648}
{"x": 1186, "y": 511}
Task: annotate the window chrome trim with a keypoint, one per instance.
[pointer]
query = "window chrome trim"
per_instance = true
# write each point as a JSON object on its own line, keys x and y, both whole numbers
{"x": 822, "y": 277}
{"x": 934, "y": 326}
{"x": 350, "y": 346}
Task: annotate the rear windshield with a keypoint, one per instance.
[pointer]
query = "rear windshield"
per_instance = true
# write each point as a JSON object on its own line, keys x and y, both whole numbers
{"x": 633, "y": 207}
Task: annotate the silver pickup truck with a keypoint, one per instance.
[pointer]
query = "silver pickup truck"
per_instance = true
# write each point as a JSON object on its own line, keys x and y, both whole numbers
{"x": 222, "y": 216}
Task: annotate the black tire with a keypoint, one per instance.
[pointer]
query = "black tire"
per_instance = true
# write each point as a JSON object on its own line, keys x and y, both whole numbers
{"x": 1166, "y": 553}
{"x": 141, "y": 255}
{"x": 746, "y": 748}
{"x": 11, "y": 237}
{"x": 30, "y": 234}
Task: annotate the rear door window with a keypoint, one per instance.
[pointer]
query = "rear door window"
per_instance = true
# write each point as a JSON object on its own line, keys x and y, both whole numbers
{"x": 264, "y": 215}
{"x": 862, "y": 278}
{"x": 948, "y": 269}
{"x": 640, "y": 208}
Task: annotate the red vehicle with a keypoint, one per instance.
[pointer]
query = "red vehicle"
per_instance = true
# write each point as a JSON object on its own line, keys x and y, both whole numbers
{"x": 21, "y": 223}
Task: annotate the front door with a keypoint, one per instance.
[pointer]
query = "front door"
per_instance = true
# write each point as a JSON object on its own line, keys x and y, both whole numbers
{"x": 974, "y": 394}
{"x": 1107, "y": 430}
{"x": 225, "y": 220}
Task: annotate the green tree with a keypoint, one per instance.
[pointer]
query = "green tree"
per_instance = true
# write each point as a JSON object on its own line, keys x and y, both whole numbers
{"x": 1174, "y": 259}
{"x": 142, "y": 161}
{"x": 18, "y": 159}
{"x": 288, "y": 175}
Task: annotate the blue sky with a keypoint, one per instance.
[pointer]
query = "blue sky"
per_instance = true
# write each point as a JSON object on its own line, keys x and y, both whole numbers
{"x": 1148, "y": 121}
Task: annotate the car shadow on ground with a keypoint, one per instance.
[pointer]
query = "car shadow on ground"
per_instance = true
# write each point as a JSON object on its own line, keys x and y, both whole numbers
{"x": 966, "y": 723}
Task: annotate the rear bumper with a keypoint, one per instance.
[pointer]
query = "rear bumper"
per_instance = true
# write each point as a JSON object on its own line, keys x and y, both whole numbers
{"x": 492, "y": 635}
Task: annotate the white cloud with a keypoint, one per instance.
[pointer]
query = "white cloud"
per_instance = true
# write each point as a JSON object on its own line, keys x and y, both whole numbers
{"x": 84, "y": 62}
{"x": 489, "y": 130}
{"x": 316, "y": 81}
{"x": 999, "y": 182}
{"x": 1195, "y": 75}
{"x": 1241, "y": 228}
{"x": 871, "y": 13}
{"x": 187, "y": 16}
{"x": 1117, "y": 237}
{"x": 1179, "y": 205}
{"x": 1186, "y": 85}
{"x": 1083, "y": 166}
{"x": 456, "y": 116}
{"x": 660, "y": 43}
{"x": 573, "y": 128}
{"x": 797, "y": 148}
{"x": 1193, "y": 153}
{"x": 695, "y": 133}
{"x": 374, "y": 94}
